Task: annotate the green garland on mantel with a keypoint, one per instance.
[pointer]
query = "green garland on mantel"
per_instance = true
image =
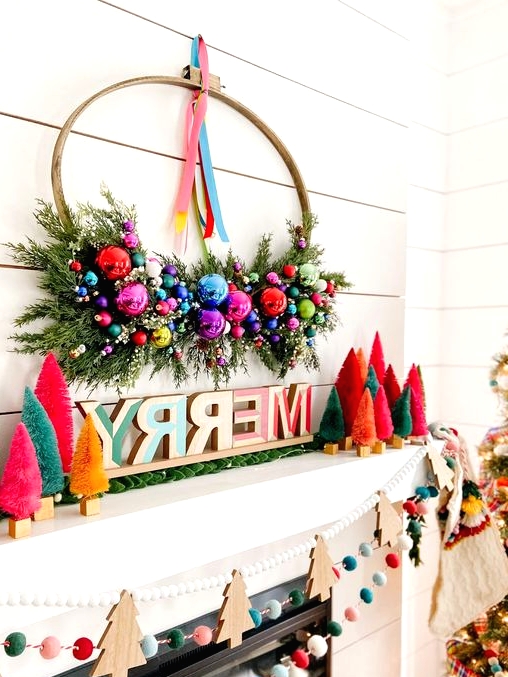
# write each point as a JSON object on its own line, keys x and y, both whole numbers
{"x": 110, "y": 309}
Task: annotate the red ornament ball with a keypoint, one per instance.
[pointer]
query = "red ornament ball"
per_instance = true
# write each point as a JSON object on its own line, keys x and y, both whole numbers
{"x": 139, "y": 337}
{"x": 273, "y": 301}
{"x": 75, "y": 266}
{"x": 82, "y": 648}
{"x": 114, "y": 261}
{"x": 490, "y": 653}
{"x": 162, "y": 308}
{"x": 289, "y": 270}
{"x": 300, "y": 658}
{"x": 392, "y": 560}
{"x": 330, "y": 288}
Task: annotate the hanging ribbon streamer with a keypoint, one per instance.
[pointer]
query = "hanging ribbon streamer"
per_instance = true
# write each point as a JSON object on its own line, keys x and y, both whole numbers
{"x": 197, "y": 145}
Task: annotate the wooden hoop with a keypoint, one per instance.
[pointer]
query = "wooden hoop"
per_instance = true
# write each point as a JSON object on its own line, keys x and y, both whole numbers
{"x": 56, "y": 164}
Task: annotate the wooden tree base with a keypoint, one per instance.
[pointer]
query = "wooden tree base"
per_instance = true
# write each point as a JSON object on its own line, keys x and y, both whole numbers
{"x": 379, "y": 447}
{"x": 20, "y": 528}
{"x": 90, "y": 506}
{"x": 346, "y": 443}
{"x": 396, "y": 442}
{"x": 331, "y": 448}
{"x": 420, "y": 441}
{"x": 46, "y": 511}
{"x": 362, "y": 450}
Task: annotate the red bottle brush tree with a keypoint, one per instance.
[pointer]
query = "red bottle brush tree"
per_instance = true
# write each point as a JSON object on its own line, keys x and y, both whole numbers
{"x": 419, "y": 424}
{"x": 362, "y": 363}
{"x": 414, "y": 382}
{"x": 382, "y": 415}
{"x": 349, "y": 386}
{"x": 401, "y": 414}
{"x": 391, "y": 386}
{"x": 364, "y": 426}
{"x": 377, "y": 358}
{"x": 21, "y": 483}
{"x": 53, "y": 393}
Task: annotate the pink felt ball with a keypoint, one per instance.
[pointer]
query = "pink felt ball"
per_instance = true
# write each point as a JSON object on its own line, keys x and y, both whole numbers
{"x": 50, "y": 647}
{"x": 352, "y": 614}
{"x": 202, "y": 635}
{"x": 300, "y": 658}
{"x": 422, "y": 508}
{"x": 392, "y": 560}
{"x": 82, "y": 648}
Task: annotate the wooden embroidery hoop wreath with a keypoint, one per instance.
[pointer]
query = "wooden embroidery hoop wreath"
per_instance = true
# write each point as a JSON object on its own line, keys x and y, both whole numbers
{"x": 56, "y": 164}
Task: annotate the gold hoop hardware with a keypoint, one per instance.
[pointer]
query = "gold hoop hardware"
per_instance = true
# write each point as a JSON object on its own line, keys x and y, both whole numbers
{"x": 192, "y": 80}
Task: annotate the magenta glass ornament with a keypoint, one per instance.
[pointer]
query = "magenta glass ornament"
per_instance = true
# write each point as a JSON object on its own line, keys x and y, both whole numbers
{"x": 172, "y": 303}
{"x": 133, "y": 299}
{"x": 128, "y": 226}
{"x": 239, "y": 305}
{"x": 292, "y": 324}
{"x": 273, "y": 301}
{"x": 131, "y": 240}
{"x": 272, "y": 278}
{"x": 211, "y": 323}
{"x": 115, "y": 262}
{"x": 237, "y": 331}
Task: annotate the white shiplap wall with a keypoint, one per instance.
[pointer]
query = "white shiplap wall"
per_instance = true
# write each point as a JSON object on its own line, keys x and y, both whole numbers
{"x": 333, "y": 81}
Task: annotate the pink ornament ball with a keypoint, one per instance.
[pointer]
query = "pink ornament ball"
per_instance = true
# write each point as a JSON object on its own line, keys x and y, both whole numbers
{"x": 82, "y": 648}
{"x": 172, "y": 303}
{"x": 392, "y": 560}
{"x": 272, "y": 278}
{"x": 50, "y": 647}
{"x": 300, "y": 658}
{"x": 293, "y": 323}
{"x": 316, "y": 299}
{"x": 103, "y": 318}
{"x": 237, "y": 331}
{"x": 352, "y": 614}
{"x": 202, "y": 635}
{"x": 133, "y": 299}
{"x": 130, "y": 240}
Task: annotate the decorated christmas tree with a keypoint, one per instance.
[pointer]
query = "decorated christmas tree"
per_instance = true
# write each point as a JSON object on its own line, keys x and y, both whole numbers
{"x": 53, "y": 393}
{"x": 482, "y": 646}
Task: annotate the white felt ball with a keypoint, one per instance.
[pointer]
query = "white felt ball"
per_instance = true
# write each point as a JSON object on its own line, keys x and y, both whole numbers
{"x": 297, "y": 672}
{"x": 317, "y": 646}
{"x": 405, "y": 542}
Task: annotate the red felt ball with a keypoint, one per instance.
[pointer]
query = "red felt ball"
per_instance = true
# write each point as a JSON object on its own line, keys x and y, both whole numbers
{"x": 392, "y": 560}
{"x": 336, "y": 572}
{"x": 289, "y": 271}
{"x": 82, "y": 648}
{"x": 410, "y": 507}
{"x": 300, "y": 658}
{"x": 139, "y": 337}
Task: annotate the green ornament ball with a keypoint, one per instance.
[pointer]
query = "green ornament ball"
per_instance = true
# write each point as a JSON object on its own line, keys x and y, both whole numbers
{"x": 137, "y": 260}
{"x": 310, "y": 332}
{"x": 168, "y": 281}
{"x": 114, "y": 330}
{"x": 306, "y": 309}
{"x": 293, "y": 292}
{"x": 319, "y": 318}
{"x": 15, "y": 644}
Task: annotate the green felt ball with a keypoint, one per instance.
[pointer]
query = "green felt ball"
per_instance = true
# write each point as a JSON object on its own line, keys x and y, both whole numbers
{"x": 15, "y": 644}
{"x": 296, "y": 597}
{"x": 176, "y": 639}
{"x": 334, "y": 629}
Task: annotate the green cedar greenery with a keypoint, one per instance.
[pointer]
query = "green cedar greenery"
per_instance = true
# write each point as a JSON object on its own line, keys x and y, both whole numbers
{"x": 68, "y": 325}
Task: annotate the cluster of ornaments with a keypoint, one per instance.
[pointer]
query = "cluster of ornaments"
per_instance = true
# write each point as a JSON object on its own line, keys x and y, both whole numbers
{"x": 141, "y": 301}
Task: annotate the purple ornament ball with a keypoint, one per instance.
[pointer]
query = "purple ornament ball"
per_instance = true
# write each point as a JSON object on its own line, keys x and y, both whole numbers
{"x": 211, "y": 323}
{"x": 170, "y": 270}
{"x": 101, "y": 301}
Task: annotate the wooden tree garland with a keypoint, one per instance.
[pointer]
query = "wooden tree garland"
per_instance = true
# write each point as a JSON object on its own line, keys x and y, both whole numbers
{"x": 88, "y": 477}
{"x": 120, "y": 642}
{"x": 321, "y": 577}
{"x": 389, "y": 521}
{"x": 234, "y": 618}
{"x": 442, "y": 472}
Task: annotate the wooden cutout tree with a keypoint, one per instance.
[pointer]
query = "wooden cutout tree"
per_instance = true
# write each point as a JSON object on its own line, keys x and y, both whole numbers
{"x": 362, "y": 363}
{"x": 234, "y": 618}
{"x": 349, "y": 386}
{"x": 389, "y": 521}
{"x": 52, "y": 392}
{"x": 321, "y": 576}
{"x": 377, "y": 359}
{"x": 443, "y": 473}
{"x": 391, "y": 386}
{"x": 120, "y": 642}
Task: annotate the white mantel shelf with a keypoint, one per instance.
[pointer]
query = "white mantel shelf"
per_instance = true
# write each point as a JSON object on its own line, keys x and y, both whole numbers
{"x": 146, "y": 535}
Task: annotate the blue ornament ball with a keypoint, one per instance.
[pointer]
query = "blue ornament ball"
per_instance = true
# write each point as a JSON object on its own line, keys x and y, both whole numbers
{"x": 160, "y": 294}
{"x": 291, "y": 309}
{"x": 252, "y": 316}
{"x": 212, "y": 290}
{"x": 272, "y": 323}
{"x": 90, "y": 278}
{"x": 82, "y": 291}
{"x": 366, "y": 595}
{"x": 181, "y": 291}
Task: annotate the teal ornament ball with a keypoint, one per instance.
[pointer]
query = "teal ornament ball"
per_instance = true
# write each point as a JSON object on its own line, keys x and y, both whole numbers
{"x": 137, "y": 260}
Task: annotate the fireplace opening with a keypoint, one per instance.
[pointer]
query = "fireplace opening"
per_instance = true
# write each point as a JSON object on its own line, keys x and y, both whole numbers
{"x": 271, "y": 643}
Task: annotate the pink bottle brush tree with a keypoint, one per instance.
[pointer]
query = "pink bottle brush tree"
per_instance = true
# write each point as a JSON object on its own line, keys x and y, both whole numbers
{"x": 21, "y": 483}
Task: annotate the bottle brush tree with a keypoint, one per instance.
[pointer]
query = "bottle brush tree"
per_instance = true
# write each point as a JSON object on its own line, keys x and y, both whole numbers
{"x": 391, "y": 386}
{"x": 21, "y": 483}
{"x": 362, "y": 363}
{"x": 377, "y": 359}
{"x": 349, "y": 386}
{"x": 364, "y": 426}
{"x": 372, "y": 382}
{"x": 419, "y": 424}
{"x": 331, "y": 427}
{"x": 401, "y": 414}
{"x": 382, "y": 415}
{"x": 88, "y": 477}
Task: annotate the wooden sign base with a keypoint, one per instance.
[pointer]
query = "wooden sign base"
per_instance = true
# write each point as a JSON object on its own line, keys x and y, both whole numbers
{"x": 90, "y": 506}
{"x": 362, "y": 450}
{"x": 46, "y": 511}
{"x": 396, "y": 442}
{"x": 379, "y": 447}
{"x": 20, "y": 528}
{"x": 331, "y": 448}
{"x": 346, "y": 443}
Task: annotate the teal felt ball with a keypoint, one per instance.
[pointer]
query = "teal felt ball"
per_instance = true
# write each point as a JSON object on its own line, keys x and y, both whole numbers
{"x": 349, "y": 563}
{"x": 334, "y": 629}
{"x": 274, "y": 609}
{"x": 176, "y": 639}
{"x": 256, "y": 616}
{"x": 15, "y": 644}
{"x": 296, "y": 597}
{"x": 422, "y": 492}
{"x": 433, "y": 491}
{"x": 365, "y": 549}
{"x": 366, "y": 595}
{"x": 149, "y": 646}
